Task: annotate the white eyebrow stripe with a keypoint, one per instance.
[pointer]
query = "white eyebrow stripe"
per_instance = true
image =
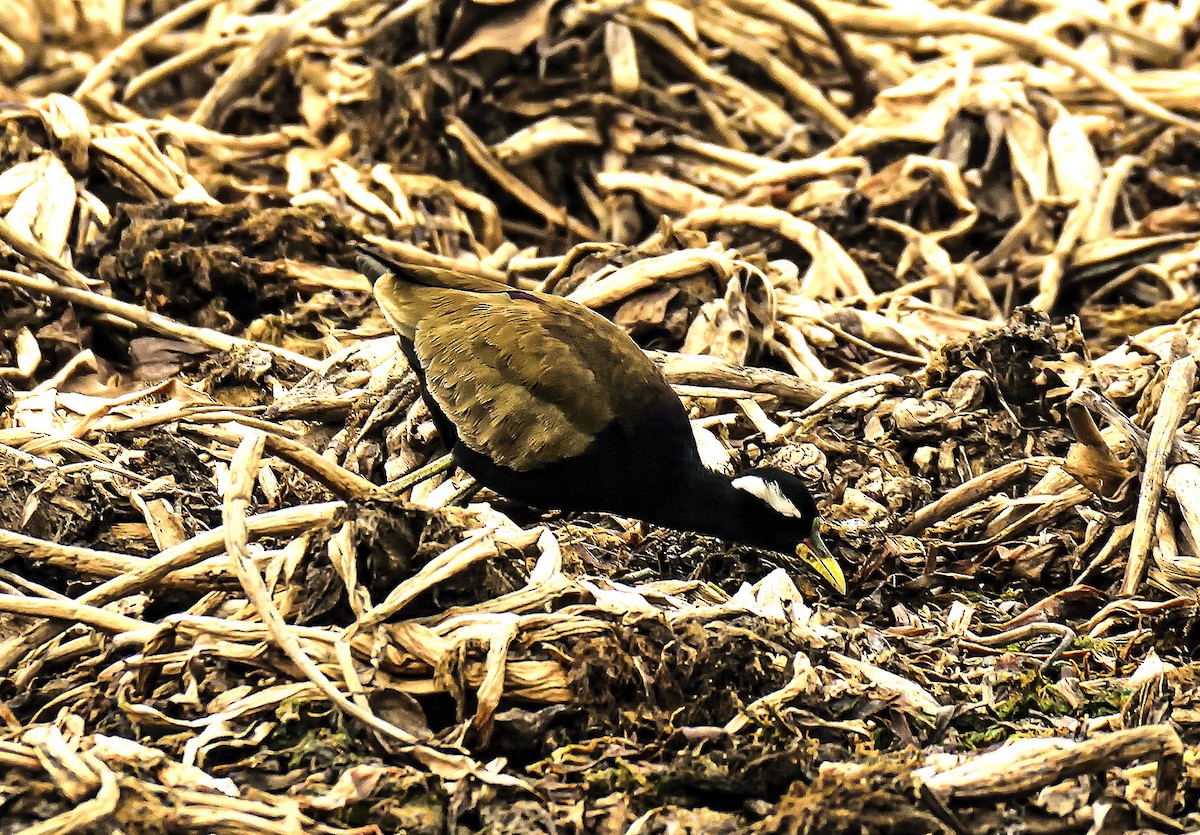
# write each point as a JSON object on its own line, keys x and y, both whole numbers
{"x": 770, "y": 493}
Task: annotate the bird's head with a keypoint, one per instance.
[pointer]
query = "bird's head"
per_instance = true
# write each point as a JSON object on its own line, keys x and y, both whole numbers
{"x": 778, "y": 512}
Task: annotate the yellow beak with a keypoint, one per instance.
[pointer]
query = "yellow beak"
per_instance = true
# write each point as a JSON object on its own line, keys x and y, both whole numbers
{"x": 816, "y": 554}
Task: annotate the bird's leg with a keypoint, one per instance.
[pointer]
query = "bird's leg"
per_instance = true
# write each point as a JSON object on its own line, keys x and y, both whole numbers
{"x": 409, "y": 480}
{"x": 464, "y": 494}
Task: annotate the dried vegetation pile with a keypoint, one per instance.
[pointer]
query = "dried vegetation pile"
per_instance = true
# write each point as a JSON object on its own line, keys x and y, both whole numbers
{"x": 946, "y": 271}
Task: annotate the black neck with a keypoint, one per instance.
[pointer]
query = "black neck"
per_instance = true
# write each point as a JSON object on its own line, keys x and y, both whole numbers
{"x": 705, "y": 502}
{"x": 708, "y": 503}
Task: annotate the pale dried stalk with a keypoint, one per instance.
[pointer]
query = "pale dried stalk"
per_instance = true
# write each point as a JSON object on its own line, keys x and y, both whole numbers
{"x": 804, "y": 678}
{"x": 970, "y": 492}
{"x": 1183, "y": 484}
{"x": 40, "y": 257}
{"x": 807, "y": 94}
{"x": 1045, "y": 513}
{"x": 242, "y": 476}
{"x": 483, "y": 545}
{"x": 172, "y": 411}
{"x": 153, "y": 570}
{"x": 485, "y": 159}
{"x": 87, "y": 813}
{"x": 932, "y": 21}
{"x": 254, "y": 62}
{"x": 138, "y": 39}
{"x": 205, "y": 811}
{"x": 1066, "y": 637}
{"x": 86, "y": 562}
{"x": 196, "y": 57}
{"x": 16, "y": 755}
{"x": 406, "y": 253}
{"x": 829, "y": 259}
{"x": 1053, "y": 483}
{"x": 69, "y": 610}
{"x": 647, "y": 272}
{"x": 340, "y": 481}
{"x": 908, "y": 695}
{"x": 695, "y": 369}
{"x": 845, "y": 390}
{"x": 1026, "y": 765}
{"x": 760, "y": 112}
{"x": 1181, "y": 379}
{"x": 156, "y": 322}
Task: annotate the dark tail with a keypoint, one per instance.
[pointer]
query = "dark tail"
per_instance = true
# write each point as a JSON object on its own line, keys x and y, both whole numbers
{"x": 375, "y": 265}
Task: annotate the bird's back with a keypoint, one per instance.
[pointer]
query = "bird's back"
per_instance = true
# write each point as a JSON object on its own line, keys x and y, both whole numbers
{"x": 530, "y": 380}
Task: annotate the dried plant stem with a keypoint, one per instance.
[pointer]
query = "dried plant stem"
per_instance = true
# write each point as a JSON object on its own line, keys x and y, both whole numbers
{"x": 408, "y": 254}
{"x": 1015, "y": 770}
{"x": 339, "y": 480}
{"x": 977, "y": 488}
{"x": 464, "y": 494}
{"x": 88, "y": 562}
{"x": 1181, "y": 379}
{"x": 87, "y": 813}
{"x": 481, "y": 546}
{"x": 874, "y": 381}
{"x": 1183, "y": 484}
{"x": 15, "y": 755}
{"x": 1066, "y": 637}
{"x": 932, "y": 21}
{"x": 828, "y": 256}
{"x": 138, "y": 39}
{"x": 694, "y": 369}
{"x": 156, "y": 322}
{"x": 34, "y": 252}
{"x": 68, "y": 610}
{"x": 485, "y": 159}
{"x": 242, "y": 476}
{"x": 195, "y": 57}
{"x": 1116, "y": 541}
{"x": 153, "y": 570}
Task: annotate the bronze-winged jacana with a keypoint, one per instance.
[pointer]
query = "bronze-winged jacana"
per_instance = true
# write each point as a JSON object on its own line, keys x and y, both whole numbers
{"x": 547, "y": 402}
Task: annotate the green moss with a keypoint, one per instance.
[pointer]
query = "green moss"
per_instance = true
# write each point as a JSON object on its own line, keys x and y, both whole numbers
{"x": 985, "y": 738}
{"x": 1031, "y": 691}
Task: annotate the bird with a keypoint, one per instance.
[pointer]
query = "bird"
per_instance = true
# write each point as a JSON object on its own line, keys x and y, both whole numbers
{"x": 546, "y": 402}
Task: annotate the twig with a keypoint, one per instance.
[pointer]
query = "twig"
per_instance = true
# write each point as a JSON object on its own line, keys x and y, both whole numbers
{"x": 340, "y": 481}
{"x": 485, "y": 159}
{"x": 1181, "y": 379}
{"x": 695, "y": 369}
{"x": 34, "y": 253}
{"x": 409, "y": 480}
{"x": 199, "y": 547}
{"x": 930, "y": 21}
{"x": 1024, "y": 766}
{"x": 972, "y": 491}
{"x": 139, "y": 38}
{"x": 155, "y": 322}
{"x": 1065, "y": 634}
{"x": 841, "y": 392}
{"x": 242, "y": 476}
{"x": 828, "y": 256}
{"x": 69, "y": 610}
{"x": 87, "y": 562}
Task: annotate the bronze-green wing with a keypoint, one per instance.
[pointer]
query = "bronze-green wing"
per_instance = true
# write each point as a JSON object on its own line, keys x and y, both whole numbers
{"x": 527, "y": 379}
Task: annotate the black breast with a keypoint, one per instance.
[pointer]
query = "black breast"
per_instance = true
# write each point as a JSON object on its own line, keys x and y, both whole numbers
{"x": 631, "y": 466}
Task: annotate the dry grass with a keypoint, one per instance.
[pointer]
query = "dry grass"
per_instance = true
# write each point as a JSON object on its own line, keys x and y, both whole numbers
{"x": 965, "y": 313}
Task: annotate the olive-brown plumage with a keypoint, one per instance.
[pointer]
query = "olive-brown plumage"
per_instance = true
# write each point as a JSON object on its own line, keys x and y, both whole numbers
{"x": 549, "y": 403}
{"x": 526, "y": 379}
